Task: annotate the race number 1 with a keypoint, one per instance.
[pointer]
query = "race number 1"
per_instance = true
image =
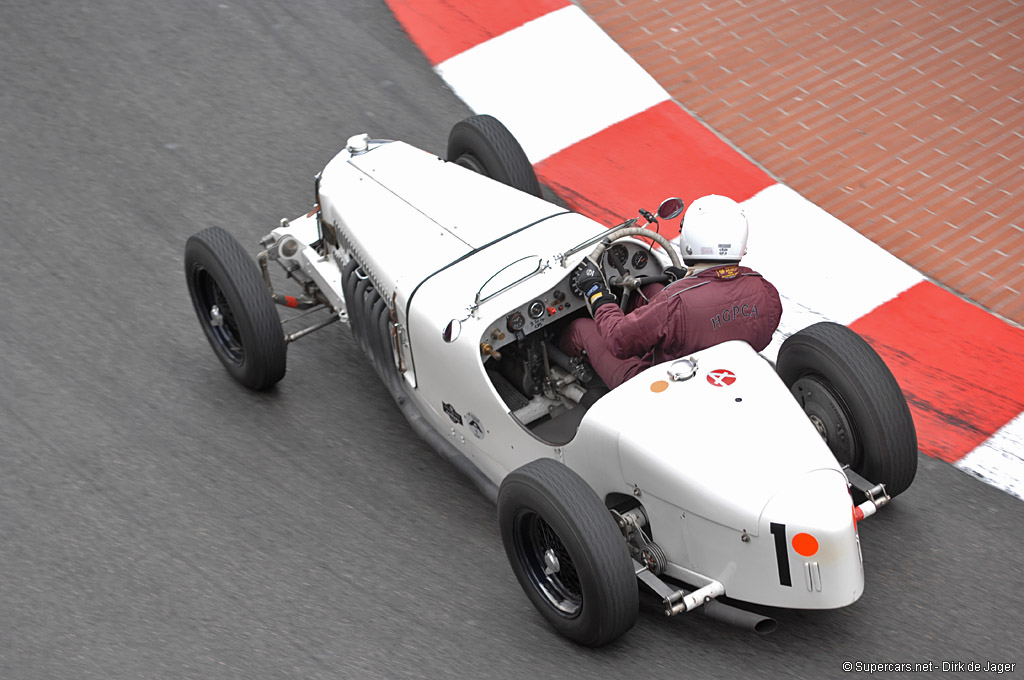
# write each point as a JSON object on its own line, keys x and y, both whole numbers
{"x": 782, "y": 553}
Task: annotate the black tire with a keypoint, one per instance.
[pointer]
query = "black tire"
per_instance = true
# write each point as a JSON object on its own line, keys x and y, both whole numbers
{"x": 855, "y": 402}
{"x": 484, "y": 145}
{"x": 591, "y": 598}
{"x": 249, "y": 341}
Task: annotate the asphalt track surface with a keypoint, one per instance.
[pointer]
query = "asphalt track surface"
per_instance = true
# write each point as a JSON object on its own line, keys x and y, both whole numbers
{"x": 158, "y": 521}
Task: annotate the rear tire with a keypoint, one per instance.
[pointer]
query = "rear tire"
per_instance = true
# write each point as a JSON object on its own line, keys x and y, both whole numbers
{"x": 235, "y": 309}
{"x": 484, "y": 145}
{"x": 855, "y": 402}
{"x": 567, "y": 553}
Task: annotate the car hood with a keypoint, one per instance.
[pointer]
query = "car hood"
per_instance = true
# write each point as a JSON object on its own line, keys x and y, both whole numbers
{"x": 720, "y": 444}
{"x": 406, "y": 215}
{"x": 472, "y": 208}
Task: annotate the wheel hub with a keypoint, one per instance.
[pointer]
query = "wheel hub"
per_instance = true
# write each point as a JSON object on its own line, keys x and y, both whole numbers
{"x": 216, "y": 318}
{"x": 548, "y": 564}
{"x": 221, "y": 322}
{"x": 551, "y": 565}
{"x": 820, "y": 425}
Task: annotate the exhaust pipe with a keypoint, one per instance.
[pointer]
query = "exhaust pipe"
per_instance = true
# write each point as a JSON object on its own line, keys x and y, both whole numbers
{"x": 741, "y": 618}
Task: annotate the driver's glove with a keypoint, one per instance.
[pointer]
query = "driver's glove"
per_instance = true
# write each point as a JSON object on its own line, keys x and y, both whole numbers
{"x": 674, "y": 273}
{"x": 593, "y": 285}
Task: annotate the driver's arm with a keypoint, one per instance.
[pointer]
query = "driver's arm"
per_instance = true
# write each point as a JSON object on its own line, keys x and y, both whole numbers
{"x": 634, "y": 334}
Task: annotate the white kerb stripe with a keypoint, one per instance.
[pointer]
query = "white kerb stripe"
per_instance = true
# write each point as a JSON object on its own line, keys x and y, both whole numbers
{"x": 1000, "y": 460}
{"x": 813, "y": 257}
{"x": 552, "y": 81}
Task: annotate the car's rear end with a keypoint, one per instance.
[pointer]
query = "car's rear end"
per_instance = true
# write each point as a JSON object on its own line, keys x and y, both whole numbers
{"x": 737, "y": 486}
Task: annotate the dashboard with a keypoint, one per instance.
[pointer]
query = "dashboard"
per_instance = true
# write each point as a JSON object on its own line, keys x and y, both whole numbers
{"x": 623, "y": 258}
{"x": 557, "y": 303}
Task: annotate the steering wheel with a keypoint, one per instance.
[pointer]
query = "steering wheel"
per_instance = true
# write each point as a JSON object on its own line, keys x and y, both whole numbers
{"x": 642, "y": 233}
{"x": 631, "y": 283}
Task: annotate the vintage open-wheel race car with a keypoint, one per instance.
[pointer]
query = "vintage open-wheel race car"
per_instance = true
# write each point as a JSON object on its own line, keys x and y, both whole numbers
{"x": 457, "y": 278}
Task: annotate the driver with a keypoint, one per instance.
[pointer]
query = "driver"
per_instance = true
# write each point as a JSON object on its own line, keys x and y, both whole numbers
{"x": 718, "y": 301}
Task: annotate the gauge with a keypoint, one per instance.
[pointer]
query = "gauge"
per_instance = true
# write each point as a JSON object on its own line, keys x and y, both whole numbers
{"x": 618, "y": 255}
{"x": 639, "y": 260}
{"x": 536, "y": 309}
{"x": 515, "y": 322}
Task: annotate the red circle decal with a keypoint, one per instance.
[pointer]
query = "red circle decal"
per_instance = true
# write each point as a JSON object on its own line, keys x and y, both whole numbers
{"x": 721, "y": 377}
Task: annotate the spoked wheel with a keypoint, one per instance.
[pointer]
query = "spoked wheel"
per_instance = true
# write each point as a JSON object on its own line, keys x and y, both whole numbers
{"x": 567, "y": 553}
{"x": 854, "y": 401}
{"x": 235, "y": 309}
{"x": 485, "y": 146}
{"x": 547, "y": 563}
{"x": 221, "y": 320}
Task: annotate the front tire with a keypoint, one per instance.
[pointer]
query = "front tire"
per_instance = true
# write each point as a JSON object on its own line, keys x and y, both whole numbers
{"x": 855, "y": 402}
{"x": 484, "y": 145}
{"x": 567, "y": 553}
{"x": 235, "y": 309}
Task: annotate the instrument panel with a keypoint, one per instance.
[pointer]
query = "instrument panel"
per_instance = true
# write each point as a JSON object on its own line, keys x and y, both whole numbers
{"x": 629, "y": 258}
{"x": 556, "y": 303}
{"x": 623, "y": 258}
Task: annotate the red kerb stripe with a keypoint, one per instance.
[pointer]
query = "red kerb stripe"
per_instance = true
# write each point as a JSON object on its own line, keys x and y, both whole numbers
{"x": 444, "y": 28}
{"x": 958, "y": 365}
{"x": 644, "y": 159}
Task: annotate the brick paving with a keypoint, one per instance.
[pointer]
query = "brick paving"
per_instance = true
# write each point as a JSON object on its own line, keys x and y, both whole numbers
{"x": 903, "y": 119}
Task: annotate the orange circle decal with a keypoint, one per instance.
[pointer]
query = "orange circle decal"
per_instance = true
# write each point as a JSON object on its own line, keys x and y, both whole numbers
{"x": 659, "y": 386}
{"x": 805, "y": 544}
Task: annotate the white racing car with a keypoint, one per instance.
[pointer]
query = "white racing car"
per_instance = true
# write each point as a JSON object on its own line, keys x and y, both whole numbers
{"x": 717, "y": 474}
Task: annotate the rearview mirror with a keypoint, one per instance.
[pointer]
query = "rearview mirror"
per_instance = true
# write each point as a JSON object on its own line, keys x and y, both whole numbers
{"x": 670, "y": 208}
{"x": 451, "y": 331}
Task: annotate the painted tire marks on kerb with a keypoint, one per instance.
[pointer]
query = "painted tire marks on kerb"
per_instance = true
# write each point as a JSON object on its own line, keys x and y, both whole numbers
{"x": 607, "y": 138}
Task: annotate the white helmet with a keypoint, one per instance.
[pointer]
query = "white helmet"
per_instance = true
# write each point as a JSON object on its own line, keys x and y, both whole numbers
{"x": 714, "y": 229}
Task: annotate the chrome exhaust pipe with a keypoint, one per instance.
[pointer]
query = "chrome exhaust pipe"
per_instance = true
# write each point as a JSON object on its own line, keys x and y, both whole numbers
{"x": 741, "y": 618}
